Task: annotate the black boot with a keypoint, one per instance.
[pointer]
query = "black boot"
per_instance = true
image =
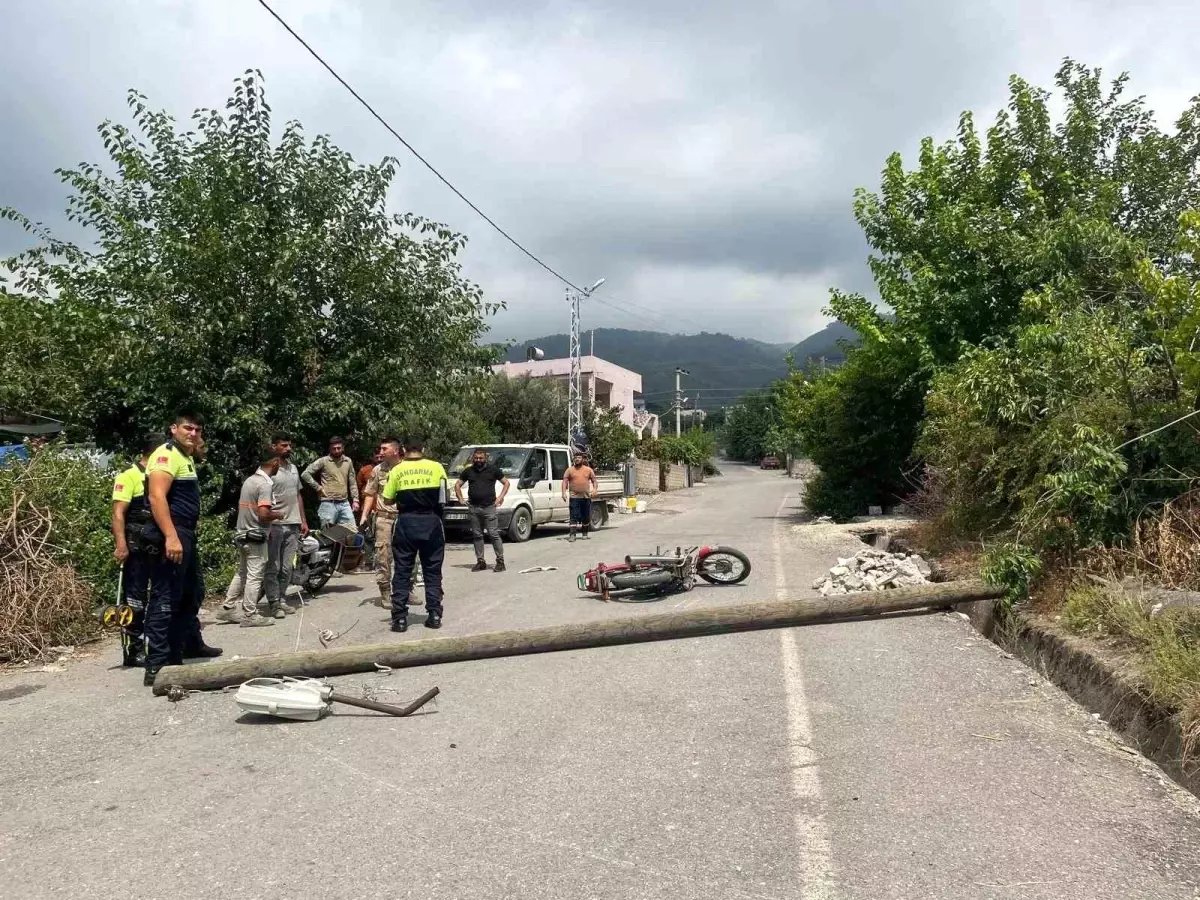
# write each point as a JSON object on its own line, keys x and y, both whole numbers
{"x": 433, "y": 619}
{"x": 132, "y": 655}
{"x": 151, "y": 674}
{"x": 203, "y": 652}
{"x": 400, "y": 625}
{"x": 133, "y": 651}
{"x": 133, "y": 642}
{"x": 480, "y": 566}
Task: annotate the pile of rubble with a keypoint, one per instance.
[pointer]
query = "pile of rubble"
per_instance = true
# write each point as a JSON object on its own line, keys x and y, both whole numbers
{"x": 874, "y": 570}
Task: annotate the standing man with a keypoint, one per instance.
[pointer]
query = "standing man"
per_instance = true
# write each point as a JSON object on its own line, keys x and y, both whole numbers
{"x": 256, "y": 515}
{"x": 337, "y": 488}
{"x": 131, "y": 511}
{"x": 418, "y": 488}
{"x": 176, "y": 590}
{"x": 580, "y": 480}
{"x": 364, "y": 475}
{"x": 385, "y": 511}
{"x": 284, "y": 543}
{"x": 481, "y": 477}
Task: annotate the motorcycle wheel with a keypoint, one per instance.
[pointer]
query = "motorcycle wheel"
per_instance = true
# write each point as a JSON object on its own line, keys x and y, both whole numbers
{"x": 724, "y": 565}
{"x": 316, "y": 581}
{"x": 624, "y": 581}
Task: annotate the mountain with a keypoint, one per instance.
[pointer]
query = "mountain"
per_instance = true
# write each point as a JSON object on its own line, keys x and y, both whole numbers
{"x": 722, "y": 367}
{"x": 824, "y": 344}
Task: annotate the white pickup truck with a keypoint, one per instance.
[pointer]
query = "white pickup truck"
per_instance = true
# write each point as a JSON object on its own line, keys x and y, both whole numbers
{"x": 535, "y": 473}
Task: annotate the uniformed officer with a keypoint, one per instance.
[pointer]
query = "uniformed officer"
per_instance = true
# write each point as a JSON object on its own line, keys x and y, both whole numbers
{"x": 176, "y": 589}
{"x": 130, "y": 513}
{"x": 385, "y": 515}
{"x": 418, "y": 488}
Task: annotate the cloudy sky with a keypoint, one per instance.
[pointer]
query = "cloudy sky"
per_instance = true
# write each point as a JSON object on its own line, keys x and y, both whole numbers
{"x": 699, "y": 156}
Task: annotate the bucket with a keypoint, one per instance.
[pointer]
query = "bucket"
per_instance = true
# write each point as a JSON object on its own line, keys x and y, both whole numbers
{"x": 640, "y": 506}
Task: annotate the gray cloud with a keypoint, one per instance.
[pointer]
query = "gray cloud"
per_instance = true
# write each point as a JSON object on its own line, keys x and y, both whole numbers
{"x": 702, "y": 160}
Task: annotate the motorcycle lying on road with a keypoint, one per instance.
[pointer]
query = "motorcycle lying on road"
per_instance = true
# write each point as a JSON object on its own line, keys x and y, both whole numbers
{"x": 667, "y": 573}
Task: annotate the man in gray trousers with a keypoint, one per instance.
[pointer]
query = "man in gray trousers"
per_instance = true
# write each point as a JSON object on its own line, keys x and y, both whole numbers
{"x": 481, "y": 477}
{"x": 286, "y": 532}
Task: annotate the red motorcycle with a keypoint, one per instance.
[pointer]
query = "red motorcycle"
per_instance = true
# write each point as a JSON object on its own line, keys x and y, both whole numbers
{"x": 667, "y": 574}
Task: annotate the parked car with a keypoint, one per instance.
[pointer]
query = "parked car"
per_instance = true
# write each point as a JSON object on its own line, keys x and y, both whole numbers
{"x": 535, "y": 473}
{"x": 769, "y": 462}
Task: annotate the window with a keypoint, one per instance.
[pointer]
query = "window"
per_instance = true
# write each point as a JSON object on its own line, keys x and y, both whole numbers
{"x": 559, "y": 461}
{"x": 535, "y": 468}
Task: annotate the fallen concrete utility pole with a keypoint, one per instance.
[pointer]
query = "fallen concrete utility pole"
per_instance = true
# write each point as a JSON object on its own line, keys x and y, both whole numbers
{"x": 660, "y": 627}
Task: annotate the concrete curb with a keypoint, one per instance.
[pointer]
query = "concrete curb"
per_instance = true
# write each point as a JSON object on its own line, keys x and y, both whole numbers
{"x": 1094, "y": 683}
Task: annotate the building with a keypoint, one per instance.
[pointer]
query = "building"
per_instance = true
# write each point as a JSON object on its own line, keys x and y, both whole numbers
{"x": 606, "y": 384}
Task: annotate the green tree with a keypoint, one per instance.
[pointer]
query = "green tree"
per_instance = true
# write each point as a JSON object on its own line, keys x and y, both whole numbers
{"x": 986, "y": 237}
{"x": 749, "y": 425}
{"x": 262, "y": 284}
{"x": 610, "y": 441}
{"x": 524, "y": 409}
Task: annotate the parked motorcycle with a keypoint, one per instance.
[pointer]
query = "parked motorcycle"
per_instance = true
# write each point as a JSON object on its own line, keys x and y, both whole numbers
{"x": 668, "y": 573}
{"x": 318, "y": 558}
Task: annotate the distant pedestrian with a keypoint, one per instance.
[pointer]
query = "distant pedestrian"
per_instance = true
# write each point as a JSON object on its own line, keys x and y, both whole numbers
{"x": 418, "y": 488}
{"x": 256, "y": 514}
{"x": 284, "y": 543}
{"x": 580, "y": 481}
{"x": 385, "y": 516}
{"x": 481, "y": 477}
{"x": 337, "y": 487}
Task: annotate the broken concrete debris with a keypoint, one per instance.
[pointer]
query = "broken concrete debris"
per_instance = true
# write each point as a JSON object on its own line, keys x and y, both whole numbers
{"x": 874, "y": 570}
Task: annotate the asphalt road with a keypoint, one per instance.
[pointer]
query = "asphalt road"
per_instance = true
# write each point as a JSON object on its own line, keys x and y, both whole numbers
{"x": 905, "y": 758}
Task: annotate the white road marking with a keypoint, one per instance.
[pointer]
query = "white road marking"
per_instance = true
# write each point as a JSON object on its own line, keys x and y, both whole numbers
{"x": 812, "y": 832}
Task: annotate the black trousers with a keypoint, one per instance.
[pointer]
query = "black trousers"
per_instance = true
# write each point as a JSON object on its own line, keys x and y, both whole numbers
{"x": 176, "y": 592}
{"x": 413, "y": 535}
{"x": 135, "y": 593}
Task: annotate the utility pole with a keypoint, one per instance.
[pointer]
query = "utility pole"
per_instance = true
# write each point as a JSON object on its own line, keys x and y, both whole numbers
{"x": 592, "y": 380}
{"x": 574, "y": 388}
{"x": 679, "y": 399}
{"x": 574, "y": 399}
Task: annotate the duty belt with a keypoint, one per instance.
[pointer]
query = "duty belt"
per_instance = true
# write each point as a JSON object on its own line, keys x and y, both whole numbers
{"x": 380, "y": 514}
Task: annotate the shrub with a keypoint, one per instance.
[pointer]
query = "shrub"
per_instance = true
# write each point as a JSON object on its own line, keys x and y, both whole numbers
{"x": 842, "y": 501}
{"x": 55, "y": 555}
{"x": 858, "y": 424}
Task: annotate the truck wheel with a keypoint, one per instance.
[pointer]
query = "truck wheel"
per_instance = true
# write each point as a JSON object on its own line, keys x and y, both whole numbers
{"x": 521, "y": 526}
{"x": 599, "y": 514}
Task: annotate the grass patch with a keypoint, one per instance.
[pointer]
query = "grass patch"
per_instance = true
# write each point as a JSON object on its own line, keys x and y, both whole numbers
{"x": 1165, "y": 649}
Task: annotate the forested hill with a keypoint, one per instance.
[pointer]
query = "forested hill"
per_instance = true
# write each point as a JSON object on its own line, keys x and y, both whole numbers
{"x": 722, "y": 367}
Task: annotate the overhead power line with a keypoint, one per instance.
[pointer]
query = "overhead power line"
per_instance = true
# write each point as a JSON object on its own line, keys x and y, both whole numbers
{"x": 382, "y": 121}
{"x": 710, "y": 390}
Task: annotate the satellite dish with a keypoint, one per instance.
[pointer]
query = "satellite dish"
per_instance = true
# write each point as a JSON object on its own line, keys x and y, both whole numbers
{"x": 534, "y": 353}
